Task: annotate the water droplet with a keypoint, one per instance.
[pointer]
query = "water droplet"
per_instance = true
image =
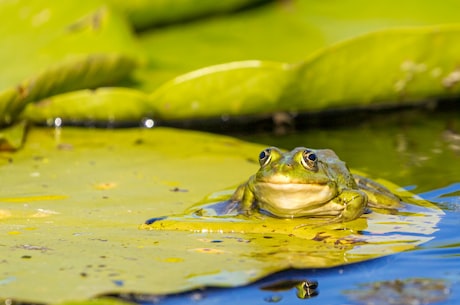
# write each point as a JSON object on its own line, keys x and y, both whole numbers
{"x": 57, "y": 122}
{"x": 148, "y": 123}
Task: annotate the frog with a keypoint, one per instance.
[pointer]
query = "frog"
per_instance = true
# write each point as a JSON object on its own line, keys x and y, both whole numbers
{"x": 307, "y": 182}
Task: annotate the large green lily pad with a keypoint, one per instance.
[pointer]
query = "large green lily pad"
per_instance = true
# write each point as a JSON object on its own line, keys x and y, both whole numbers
{"x": 72, "y": 202}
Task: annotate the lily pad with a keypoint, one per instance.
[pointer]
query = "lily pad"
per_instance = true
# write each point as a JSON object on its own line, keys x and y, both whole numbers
{"x": 73, "y": 201}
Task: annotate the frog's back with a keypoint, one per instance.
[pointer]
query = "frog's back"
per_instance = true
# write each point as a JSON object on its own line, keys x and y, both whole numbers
{"x": 337, "y": 168}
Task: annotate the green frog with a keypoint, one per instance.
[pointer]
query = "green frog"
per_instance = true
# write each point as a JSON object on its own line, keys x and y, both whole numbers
{"x": 309, "y": 183}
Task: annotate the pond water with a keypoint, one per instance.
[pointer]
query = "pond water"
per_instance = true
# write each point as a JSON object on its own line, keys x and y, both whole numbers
{"x": 418, "y": 149}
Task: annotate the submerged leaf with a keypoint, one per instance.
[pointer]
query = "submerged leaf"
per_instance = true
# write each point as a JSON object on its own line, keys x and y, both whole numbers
{"x": 401, "y": 292}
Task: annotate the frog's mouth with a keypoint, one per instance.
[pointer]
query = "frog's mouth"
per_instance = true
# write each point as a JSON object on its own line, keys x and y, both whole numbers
{"x": 289, "y": 198}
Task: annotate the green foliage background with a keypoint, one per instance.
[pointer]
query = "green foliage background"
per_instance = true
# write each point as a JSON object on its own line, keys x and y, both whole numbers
{"x": 271, "y": 56}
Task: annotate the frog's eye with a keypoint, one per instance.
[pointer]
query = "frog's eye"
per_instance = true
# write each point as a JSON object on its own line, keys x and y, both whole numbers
{"x": 264, "y": 156}
{"x": 309, "y": 160}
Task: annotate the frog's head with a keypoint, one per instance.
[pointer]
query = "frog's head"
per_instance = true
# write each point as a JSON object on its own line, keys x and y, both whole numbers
{"x": 289, "y": 183}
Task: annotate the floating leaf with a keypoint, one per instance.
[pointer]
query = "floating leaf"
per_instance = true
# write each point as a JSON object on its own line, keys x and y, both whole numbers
{"x": 74, "y": 199}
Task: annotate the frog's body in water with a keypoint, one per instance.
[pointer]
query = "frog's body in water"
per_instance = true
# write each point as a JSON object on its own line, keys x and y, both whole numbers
{"x": 309, "y": 183}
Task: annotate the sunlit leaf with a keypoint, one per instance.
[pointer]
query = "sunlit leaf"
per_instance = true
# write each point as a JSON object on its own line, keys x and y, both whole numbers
{"x": 74, "y": 200}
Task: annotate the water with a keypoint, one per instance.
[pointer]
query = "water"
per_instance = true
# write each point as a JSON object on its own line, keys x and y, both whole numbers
{"x": 416, "y": 149}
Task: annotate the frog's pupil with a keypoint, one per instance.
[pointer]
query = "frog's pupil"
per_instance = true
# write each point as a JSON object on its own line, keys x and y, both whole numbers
{"x": 262, "y": 155}
{"x": 312, "y": 157}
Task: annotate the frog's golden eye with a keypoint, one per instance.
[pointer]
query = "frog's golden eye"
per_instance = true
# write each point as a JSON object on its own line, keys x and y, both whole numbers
{"x": 309, "y": 160}
{"x": 264, "y": 156}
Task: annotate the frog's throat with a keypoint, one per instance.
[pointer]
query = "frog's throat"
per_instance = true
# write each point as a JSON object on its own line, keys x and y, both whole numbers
{"x": 292, "y": 196}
